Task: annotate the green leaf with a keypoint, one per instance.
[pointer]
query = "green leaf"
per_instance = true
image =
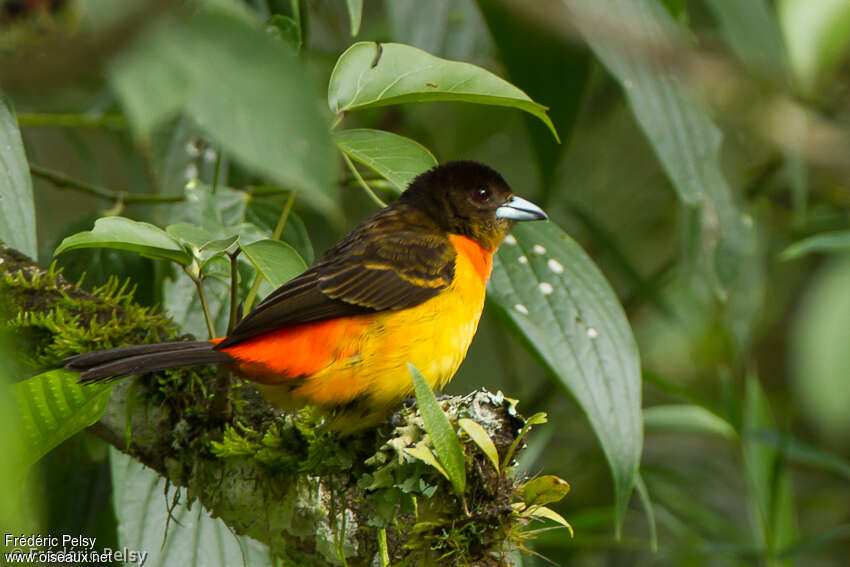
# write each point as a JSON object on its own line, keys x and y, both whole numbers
{"x": 838, "y": 241}
{"x": 550, "y": 291}
{"x": 817, "y": 33}
{"x": 125, "y": 234}
{"x": 646, "y": 503}
{"x": 753, "y": 33}
{"x": 395, "y": 158}
{"x": 51, "y": 407}
{"x": 200, "y": 65}
{"x": 371, "y": 74}
{"x": 772, "y": 497}
{"x": 425, "y": 455}
{"x": 17, "y": 209}
{"x": 547, "y": 65}
{"x": 481, "y": 438}
{"x": 142, "y": 499}
{"x": 544, "y": 513}
{"x": 445, "y": 441}
{"x": 190, "y": 234}
{"x": 277, "y": 261}
{"x": 544, "y": 490}
{"x": 686, "y": 418}
{"x": 819, "y": 347}
{"x": 355, "y": 14}
{"x": 678, "y": 127}
{"x": 536, "y": 419}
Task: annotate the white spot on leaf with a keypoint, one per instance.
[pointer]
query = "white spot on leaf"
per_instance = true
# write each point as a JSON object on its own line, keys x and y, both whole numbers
{"x": 592, "y": 333}
{"x": 539, "y": 249}
{"x": 509, "y": 239}
{"x": 545, "y": 288}
{"x": 521, "y": 308}
{"x": 522, "y": 260}
{"x": 555, "y": 266}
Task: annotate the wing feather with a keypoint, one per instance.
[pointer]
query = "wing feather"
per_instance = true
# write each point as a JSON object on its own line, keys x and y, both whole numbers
{"x": 395, "y": 260}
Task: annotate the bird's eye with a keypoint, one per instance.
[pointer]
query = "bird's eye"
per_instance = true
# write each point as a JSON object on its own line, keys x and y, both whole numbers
{"x": 482, "y": 194}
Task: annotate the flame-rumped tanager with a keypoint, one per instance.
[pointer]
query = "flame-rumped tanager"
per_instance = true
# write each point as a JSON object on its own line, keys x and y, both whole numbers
{"x": 406, "y": 286}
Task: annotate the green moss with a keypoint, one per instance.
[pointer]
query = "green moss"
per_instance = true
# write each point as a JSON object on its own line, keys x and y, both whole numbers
{"x": 56, "y": 320}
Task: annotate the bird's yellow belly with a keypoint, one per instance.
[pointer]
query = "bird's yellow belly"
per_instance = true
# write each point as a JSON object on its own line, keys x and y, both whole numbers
{"x": 371, "y": 375}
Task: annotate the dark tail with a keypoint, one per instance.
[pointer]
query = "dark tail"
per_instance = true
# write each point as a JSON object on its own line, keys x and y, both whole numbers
{"x": 115, "y": 363}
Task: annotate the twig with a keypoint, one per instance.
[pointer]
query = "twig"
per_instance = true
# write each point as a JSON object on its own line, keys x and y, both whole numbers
{"x": 369, "y": 190}
{"x": 62, "y": 181}
{"x": 69, "y": 120}
{"x": 278, "y": 230}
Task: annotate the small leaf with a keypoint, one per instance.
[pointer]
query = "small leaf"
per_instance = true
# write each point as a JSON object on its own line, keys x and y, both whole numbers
{"x": 686, "y": 418}
{"x": 395, "y": 158}
{"x": 277, "y": 261}
{"x": 355, "y": 13}
{"x": 838, "y": 241}
{"x": 17, "y": 209}
{"x": 536, "y": 419}
{"x": 481, "y": 438}
{"x": 286, "y": 29}
{"x": 52, "y": 406}
{"x": 125, "y": 234}
{"x": 550, "y": 292}
{"x": 544, "y": 513}
{"x": 219, "y": 244}
{"x": 190, "y": 234}
{"x": 425, "y": 455}
{"x": 446, "y": 445}
{"x": 544, "y": 490}
{"x": 371, "y": 74}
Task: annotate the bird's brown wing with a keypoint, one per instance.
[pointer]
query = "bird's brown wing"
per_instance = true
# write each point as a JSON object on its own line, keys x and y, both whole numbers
{"x": 388, "y": 262}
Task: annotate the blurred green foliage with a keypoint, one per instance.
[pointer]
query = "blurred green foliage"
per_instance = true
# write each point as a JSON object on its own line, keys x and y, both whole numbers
{"x": 699, "y": 140}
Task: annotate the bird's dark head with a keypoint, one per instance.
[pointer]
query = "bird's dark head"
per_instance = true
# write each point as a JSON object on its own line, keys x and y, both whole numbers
{"x": 470, "y": 199}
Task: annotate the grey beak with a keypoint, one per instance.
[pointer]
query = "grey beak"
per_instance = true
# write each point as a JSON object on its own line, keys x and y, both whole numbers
{"x": 518, "y": 209}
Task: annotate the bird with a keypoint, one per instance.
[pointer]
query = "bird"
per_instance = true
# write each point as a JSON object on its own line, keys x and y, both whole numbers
{"x": 406, "y": 286}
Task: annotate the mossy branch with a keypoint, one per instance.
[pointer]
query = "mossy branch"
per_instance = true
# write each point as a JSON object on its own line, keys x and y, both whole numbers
{"x": 313, "y": 497}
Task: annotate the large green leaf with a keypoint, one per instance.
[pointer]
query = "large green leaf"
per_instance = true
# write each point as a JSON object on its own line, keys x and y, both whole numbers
{"x": 678, "y": 127}
{"x": 277, "y": 261}
{"x": 142, "y": 508}
{"x": 51, "y": 407}
{"x": 17, "y": 210}
{"x": 201, "y": 66}
{"x": 817, "y": 33}
{"x": 125, "y": 234}
{"x": 570, "y": 318}
{"x": 395, "y": 158}
{"x": 371, "y": 74}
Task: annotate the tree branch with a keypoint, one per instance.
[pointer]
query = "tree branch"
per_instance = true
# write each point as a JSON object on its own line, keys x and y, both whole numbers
{"x": 281, "y": 479}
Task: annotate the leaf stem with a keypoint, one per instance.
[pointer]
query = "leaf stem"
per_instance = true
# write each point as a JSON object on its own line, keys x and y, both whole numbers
{"x": 234, "y": 290}
{"x": 278, "y": 230}
{"x": 62, "y": 181}
{"x": 70, "y": 120}
{"x": 215, "y": 172}
{"x": 362, "y": 181}
{"x": 204, "y": 304}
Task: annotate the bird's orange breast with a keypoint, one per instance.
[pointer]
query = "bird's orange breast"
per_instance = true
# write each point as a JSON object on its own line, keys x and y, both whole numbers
{"x": 362, "y": 360}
